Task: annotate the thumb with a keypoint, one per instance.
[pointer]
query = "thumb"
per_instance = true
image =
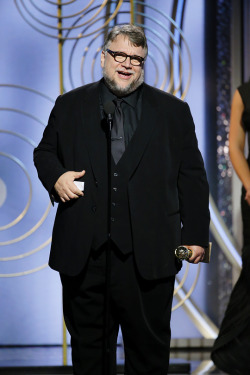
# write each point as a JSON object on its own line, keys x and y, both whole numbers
{"x": 79, "y": 174}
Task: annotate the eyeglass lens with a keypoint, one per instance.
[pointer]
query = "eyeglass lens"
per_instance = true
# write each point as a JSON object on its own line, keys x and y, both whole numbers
{"x": 120, "y": 57}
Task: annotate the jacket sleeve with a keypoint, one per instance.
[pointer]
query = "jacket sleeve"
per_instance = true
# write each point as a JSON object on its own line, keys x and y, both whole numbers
{"x": 47, "y": 154}
{"x": 193, "y": 189}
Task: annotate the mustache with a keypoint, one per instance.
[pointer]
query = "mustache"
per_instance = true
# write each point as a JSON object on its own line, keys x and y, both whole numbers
{"x": 125, "y": 71}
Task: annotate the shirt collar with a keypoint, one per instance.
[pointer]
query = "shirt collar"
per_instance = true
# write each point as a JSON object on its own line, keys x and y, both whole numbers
{"x": 130, "y": 99}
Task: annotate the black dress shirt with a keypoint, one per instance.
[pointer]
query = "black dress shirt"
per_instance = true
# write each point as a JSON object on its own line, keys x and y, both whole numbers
{"x": 131, "y": 107}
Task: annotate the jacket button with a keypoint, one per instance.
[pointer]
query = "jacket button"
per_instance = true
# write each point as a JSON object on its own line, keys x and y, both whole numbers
{"x": 116, "y": 174}
{"x": 113, "y": 204}
{"x": 115, "y": 188}
{"x": 94, "y": 208}
{"x": 112, "y": 219}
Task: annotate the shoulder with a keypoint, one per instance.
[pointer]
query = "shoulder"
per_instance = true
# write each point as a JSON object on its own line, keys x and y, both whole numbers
{"x": 163, "y": 97}
{"x": 79, "y": 93}
{"x": 170, "y": 110}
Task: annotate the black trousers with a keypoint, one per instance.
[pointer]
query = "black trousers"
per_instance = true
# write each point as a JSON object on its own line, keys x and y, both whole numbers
{"x": 141, "y": 308}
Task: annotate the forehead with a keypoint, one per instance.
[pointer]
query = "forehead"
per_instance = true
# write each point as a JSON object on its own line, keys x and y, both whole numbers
{"x": 122, "y": 44}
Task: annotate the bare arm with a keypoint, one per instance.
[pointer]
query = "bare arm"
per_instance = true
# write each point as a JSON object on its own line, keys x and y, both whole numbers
{"x": 237, "y": 143}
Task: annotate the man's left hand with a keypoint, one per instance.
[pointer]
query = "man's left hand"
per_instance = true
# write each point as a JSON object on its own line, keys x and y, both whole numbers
{"x": 198, "y": 254}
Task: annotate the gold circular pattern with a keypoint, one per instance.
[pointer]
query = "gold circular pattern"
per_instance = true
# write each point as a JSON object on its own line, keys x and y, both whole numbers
{"x": 15, "y": 160}
{"x": 166, "y": 41}
{"x": 23, "y": 213}
{"x": 48, "y": 18}
{"x": 71, "y": 20}
{"x": 180, "y": 284}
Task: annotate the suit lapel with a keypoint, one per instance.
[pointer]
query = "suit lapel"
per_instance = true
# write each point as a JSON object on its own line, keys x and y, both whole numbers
{"x": 142, "y": 135}
{"x": 91, "y": 131}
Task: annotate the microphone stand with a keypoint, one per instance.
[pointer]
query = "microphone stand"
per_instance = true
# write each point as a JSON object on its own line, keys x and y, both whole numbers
{"x": 108, "y": 258}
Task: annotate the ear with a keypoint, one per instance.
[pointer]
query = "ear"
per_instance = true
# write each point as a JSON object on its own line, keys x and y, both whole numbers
{"x": 102, "y": 58}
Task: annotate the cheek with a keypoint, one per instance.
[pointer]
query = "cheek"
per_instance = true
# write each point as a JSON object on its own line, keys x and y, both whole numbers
{"x": 137, "y": 75}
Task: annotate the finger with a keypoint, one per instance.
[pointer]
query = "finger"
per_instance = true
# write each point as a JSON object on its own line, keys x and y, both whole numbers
{"x": 79, "y": 174}
{"x": 75, "y": 191}
{"x": 196, "y": 259}
{"x": 78, "y": 192}
{"x": 64, "y": 198}
{"x": 72, "y": 195}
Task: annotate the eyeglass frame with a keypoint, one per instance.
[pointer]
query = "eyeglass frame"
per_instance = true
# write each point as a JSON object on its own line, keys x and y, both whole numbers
{"x": 139, "y": 58}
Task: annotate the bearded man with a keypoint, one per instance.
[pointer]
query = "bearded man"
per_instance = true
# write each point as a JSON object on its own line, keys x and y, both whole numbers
{"x": 158, "y": 196}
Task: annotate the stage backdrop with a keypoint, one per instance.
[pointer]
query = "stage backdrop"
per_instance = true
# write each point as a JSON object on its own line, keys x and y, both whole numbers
{"x": 35, "y": 67}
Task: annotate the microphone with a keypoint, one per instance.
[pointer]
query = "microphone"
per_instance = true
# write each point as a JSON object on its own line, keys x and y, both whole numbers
{"x": 109, "y": 109}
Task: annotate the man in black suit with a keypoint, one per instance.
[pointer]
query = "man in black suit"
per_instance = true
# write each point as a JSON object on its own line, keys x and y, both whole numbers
{"x": 159, "y": 200}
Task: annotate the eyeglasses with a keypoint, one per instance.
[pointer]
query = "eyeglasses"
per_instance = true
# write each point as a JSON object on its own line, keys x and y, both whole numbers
{"x": 121, "y": 57}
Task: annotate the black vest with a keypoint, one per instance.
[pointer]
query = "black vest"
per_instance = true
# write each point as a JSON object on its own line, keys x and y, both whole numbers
{"x": 121, "y": 232}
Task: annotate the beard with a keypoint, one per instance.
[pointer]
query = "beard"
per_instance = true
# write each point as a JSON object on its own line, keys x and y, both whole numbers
{"x": 122, "y": 91}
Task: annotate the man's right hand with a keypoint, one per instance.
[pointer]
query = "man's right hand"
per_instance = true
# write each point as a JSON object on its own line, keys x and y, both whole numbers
{"x": 65, "y": 187}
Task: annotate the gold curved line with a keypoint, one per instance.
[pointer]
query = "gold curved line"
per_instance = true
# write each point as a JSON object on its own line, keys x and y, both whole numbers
{"x": 92, "y": 67}
{"x": 21, "y": 256}
{"x": 67, "y": 2}
{"x": 205, "y": 367}
{"x": 190, "y": 290}
{"x": 180, "y": 285}
{"x": 81, "y": 70}
{"x": 164, "y": 77}
{"x": 184, "y": 93}
{"x": 27, "y": 89}
{"x": 63, "y": 17}
{"x": 189, "y": 73}
{"x": 80, "y": 35}
{"x": 185, "y": 43}
{"x": 156, "y": 76}
{"x": 171, "y": 72}
{"x": 23, "y": 213}
{"x": 62, "y": 28}
{"x": 24, "y": 272}
{"x": 181, "y": 71}
{"x": 22, "y": 113}
{"x": 202, "y": 322}
{"x": 32, "y": 230}
{"x": 104, "y": 25}
{"x": 84, "y": 56}
{"x": 157, "y": 70}
{"x": 132, "y": 12}
{"x": 94, "y": 61}
{"x": 171, "y": 79}
{"x": 89, "y": 20}
{"x": 180, "y": 76}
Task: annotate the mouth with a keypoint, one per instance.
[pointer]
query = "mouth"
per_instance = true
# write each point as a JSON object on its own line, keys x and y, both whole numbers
{"x": 124, "y": 74}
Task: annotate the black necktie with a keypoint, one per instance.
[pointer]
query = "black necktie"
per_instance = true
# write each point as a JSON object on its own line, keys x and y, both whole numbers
{"x": 117, "y": 133}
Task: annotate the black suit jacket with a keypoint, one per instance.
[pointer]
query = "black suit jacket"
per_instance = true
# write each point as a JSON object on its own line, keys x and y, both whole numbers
{"x": 167, "y": 185}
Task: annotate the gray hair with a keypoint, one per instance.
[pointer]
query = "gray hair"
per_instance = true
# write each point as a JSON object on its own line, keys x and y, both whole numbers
{"x": 134, "y": 33}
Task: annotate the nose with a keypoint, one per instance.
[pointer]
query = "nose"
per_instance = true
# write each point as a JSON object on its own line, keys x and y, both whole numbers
{"x": 127, "y": 63}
